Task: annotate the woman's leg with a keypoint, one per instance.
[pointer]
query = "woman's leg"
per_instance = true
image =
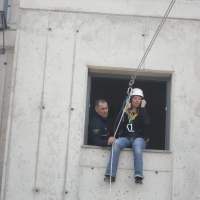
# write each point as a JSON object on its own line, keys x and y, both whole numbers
{"x": 138, "y": 145}
{"x": 117, "y": 146}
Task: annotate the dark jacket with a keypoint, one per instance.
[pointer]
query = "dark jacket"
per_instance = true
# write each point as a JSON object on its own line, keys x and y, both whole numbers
{"x": 98, "y": 131}
{"x": 137, "y": 124}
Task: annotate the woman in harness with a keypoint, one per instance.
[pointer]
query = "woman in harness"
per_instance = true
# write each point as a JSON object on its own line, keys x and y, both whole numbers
{"x": 131, "y": 135}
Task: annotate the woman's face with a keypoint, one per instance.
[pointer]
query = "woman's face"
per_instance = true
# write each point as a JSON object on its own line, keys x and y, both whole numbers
{"x": 136, "y": 101}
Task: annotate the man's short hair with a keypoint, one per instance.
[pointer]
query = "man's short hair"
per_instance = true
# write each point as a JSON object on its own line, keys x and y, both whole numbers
{"x": 99, "y": 101}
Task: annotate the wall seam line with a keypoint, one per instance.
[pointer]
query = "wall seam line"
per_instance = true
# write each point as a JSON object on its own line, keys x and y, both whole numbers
{"x": 71, "y": 92}
{"x": 41, "y": 112}
{"x": 3, "y": 98}
{"x": 113, "y": 14}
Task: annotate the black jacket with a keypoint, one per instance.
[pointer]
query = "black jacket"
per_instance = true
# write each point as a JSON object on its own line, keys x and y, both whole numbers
{"x": 138, "y": 124}
{"x": 98, "y": 131}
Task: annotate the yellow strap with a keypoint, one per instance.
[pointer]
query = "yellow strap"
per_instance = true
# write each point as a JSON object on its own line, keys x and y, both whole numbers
{"x": 131, "y": 116}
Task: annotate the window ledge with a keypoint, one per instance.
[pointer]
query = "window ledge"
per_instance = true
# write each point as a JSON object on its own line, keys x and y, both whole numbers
{"x": 96, "y": 156}
{"x": 125, "y": 149}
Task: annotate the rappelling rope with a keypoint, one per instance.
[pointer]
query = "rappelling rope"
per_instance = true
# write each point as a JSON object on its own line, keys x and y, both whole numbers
{"x": 152, "y": 42}
{"x": 124, "y": 107}
{"x": 131, "y": 82}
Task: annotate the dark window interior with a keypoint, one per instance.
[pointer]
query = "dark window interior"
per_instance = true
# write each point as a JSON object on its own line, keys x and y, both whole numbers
{"x": 114, "y": 91}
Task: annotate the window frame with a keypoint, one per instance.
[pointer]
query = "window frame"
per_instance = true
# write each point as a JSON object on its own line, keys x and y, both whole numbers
{"x": 142, "y": 76}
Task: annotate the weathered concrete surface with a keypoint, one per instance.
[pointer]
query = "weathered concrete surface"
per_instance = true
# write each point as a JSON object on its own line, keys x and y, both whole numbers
{"x": 43, "y": 64}
{"x": 44, "y": 158}
{"x": 154, "y": 8}
{"x": 2, "y": 90}
{"x": 54, "y": 144}
{"x": 13, "y": 13}
{"x": 92, "y": 185}
{"x": 157, "y": 172}
{"x": 98, "y": 157}
{"x": 9, "y": 36}
{"x": 11, "y": 20}
{"x": 23, "y": 133}
{"x": 6, "y": 67}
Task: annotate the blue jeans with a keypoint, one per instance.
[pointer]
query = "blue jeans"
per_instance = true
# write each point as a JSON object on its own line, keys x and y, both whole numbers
{"x": 137, "y": 144}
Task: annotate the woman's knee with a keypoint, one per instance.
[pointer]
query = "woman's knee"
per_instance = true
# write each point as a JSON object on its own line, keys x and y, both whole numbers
{"x": 121, "y": 143}
{"x": 139, "y": 143}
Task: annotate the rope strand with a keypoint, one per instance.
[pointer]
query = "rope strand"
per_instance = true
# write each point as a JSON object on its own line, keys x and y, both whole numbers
{"x": 154, "y": 38}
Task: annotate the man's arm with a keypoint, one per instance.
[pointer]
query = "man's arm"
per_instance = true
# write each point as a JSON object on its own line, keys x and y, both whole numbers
{"x": 96, "y": 135}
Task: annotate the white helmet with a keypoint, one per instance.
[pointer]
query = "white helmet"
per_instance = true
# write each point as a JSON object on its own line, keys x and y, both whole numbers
{"x": 137, "y": 92}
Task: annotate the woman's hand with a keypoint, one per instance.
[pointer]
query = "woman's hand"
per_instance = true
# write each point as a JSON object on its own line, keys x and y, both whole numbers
{"x": 143, "y": 103}
{"x": 128, "y": 106}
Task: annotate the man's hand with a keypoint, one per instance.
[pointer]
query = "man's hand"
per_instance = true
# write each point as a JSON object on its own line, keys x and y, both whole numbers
{"x": 143, "y": 103}
{"x": 111, "y": 140}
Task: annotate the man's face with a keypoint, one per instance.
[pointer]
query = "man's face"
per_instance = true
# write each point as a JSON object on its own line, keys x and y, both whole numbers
{"x": 136, "y": 101}
{"x": 102, "y": 109}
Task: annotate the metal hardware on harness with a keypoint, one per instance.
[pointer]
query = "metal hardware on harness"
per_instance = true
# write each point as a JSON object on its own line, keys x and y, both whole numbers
{"x": 131, "y": 82}
{"x": 129, "y": 90}
{"x": 130, "y": 127}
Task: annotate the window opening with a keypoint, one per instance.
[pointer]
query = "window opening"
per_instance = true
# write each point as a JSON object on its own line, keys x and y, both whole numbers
{"x": 114, "y": 91}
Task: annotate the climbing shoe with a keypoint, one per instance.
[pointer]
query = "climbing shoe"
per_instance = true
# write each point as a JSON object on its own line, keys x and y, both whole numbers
{"x": 138, "y": 180}
{"x": 107, "y": 179}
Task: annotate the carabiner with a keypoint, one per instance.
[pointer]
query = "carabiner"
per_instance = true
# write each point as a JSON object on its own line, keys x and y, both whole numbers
{"x": 129, "y": 90}
{"x": 131, "y": 82}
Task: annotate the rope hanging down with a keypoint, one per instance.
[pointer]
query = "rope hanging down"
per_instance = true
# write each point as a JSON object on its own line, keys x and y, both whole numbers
{"x": 131, "y": 82}
{"x": 151, "y": 43}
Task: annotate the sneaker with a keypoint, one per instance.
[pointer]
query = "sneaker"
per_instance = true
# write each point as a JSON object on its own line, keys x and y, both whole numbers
{"x": 107, "y": 179}
{"x": 138, "y": 180}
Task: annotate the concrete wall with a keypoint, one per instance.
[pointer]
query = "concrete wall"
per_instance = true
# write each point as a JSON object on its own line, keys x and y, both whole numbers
{"x": 56, "y": 42}
{"x": 12, "y": 21}
{"x": 12, "y": 12}
{"x": 6, "y": 66}
{"x": 157, "y": 172}
{"x": 6, "y": 63}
